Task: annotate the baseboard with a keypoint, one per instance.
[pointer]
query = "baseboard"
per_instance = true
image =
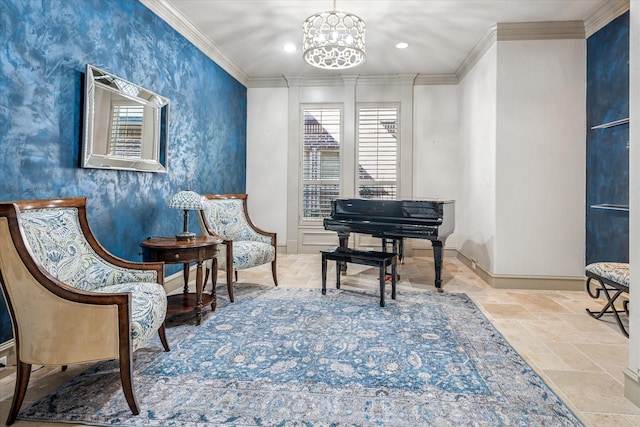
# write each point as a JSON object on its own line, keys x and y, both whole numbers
{"x": 6, "y": 346}
{"x": 540, "y": 283}
{"x": 631, "y": 386}
{"x": 7, "y": 350}
{"x": 175, "y": 283}
{"x": 428, "y": 252}
{"x": 475, "y": 267}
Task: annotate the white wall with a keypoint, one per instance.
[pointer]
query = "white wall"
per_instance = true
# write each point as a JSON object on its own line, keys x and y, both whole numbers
{"x": 435, "y": 154}
{"x": 476, "y": 205}
{"x": 432, "y": 144}
{"x": 267, "y": 159}
{"x": 507, "y": 143}
{"x": 540, "y": 158}
{"x": 632, "y": 380}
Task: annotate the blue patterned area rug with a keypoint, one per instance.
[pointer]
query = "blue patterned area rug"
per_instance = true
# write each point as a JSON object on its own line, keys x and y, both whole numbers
{"x": 293, "y": 357}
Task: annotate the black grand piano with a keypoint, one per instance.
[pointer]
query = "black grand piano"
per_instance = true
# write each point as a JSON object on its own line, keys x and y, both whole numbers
{"x": 395, "y": 220}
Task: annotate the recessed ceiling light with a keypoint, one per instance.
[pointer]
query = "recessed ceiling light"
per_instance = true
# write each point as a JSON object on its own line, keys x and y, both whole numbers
{"x": 402, "y": 45}
{"x": 289, "y": 47}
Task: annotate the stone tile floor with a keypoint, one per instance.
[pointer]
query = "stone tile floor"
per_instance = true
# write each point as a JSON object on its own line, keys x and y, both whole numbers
{"x": 579, "y": 357}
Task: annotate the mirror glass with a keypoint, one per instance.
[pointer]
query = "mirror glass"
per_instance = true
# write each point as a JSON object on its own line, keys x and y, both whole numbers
{"x": 125, "y": 126}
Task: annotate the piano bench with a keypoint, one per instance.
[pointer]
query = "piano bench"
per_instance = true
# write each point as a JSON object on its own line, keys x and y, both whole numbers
{"x": 380, "y": 259}
{"x": 613, "y": 280}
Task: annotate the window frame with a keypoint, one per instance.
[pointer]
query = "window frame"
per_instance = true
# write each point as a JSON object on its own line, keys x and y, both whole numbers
{"x": 378, "y": 105}
{"x": 317, "y": 221}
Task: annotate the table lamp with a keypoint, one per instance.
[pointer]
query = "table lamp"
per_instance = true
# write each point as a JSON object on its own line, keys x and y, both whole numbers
{"x": 186, "y": 200}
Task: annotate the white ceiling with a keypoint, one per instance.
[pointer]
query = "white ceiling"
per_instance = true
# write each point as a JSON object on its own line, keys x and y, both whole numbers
{"x": 441, "y": 33}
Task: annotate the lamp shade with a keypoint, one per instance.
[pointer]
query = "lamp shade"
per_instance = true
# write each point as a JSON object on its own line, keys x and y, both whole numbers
{"x": 187, "y": 200}
{"x": 333, "y": 40}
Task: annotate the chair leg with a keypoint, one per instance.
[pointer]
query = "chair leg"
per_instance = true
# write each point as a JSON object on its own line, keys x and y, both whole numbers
{"x": 229, "y": 269}
{"x": 23, "y": 373}
{"x": 163, "y": 337}
{"x": 126, "y": 377}
{"x": 273, "y": 272}
{"x": 230, "y": 285}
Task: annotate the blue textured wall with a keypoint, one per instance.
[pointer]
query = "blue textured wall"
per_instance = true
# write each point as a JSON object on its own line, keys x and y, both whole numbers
{"x": 607, "y": 149}
{"x": 46, "y": 45}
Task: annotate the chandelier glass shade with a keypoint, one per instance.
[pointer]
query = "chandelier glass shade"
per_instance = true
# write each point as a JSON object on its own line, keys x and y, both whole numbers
{"x": 333, "y": 40}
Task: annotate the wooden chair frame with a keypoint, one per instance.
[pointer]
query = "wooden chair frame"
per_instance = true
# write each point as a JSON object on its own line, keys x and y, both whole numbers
{"x": 229, "y": 243}
{"x": 20, "y": 263}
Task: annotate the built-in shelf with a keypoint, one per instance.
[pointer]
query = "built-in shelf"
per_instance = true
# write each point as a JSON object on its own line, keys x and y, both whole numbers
{"x": 611, "y": 124}
{"x": 611, "y": 207}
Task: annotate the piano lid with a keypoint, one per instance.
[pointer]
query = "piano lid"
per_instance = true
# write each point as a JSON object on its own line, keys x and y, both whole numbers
{"x": 430, "y": 219}
{"x": 381, "y": 208}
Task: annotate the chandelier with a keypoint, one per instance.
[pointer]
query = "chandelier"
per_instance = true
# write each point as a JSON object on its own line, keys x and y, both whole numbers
{"x": 333, "y": 40}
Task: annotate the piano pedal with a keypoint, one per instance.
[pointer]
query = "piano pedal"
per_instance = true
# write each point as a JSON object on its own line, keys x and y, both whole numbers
{"x": 388, "y": 278}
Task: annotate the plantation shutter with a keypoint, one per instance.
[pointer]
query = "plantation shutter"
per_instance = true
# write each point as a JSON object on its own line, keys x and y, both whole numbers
{"x": 321, "y": 161}
{"x": 126, "y": 131}
{"x": 377, "y": 152}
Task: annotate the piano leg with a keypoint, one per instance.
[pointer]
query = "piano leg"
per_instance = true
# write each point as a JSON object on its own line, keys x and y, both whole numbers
{"x": 397, "y": 249}
{"x": 437, "y": 261}
{"x": 343, "y": 241}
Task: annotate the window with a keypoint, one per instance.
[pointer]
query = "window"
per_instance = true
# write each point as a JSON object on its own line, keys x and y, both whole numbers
{"x": 126, "y": 131}
{"x": 321, "y": 161}
{"x": 377, "y": 146}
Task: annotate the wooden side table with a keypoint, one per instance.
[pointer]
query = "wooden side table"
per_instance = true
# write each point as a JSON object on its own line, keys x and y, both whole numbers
{"x": 173, "y": 251}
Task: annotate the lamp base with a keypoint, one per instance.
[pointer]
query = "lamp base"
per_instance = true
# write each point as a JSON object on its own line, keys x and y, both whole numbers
{"x": 186, "y": 236}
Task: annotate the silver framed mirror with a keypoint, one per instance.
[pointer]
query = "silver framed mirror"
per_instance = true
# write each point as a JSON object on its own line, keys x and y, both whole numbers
{"x": 126, "y": 127}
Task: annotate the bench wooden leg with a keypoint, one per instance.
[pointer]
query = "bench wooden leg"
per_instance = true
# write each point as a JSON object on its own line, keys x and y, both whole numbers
{"x": 393, "y": 281}
{"x": 382, "y": 282}
{"x": 372, "y": 258}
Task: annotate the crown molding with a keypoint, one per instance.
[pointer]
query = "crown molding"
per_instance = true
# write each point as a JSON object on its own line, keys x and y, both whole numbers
{"x": 552, "y": 30}
{"x": 176, "y": 20}
{"x": 340, "y": 80}
{"x": 262, "y": 82}
{"x": 487, "y": 39}
{"x": 391, "y": 79}
{"x": 607, "y": 13}
{"x": 498, "y": 32}
{"x": 436, "y": 79}
{"x": 318, "y": 80}
{"x": 349, "y": 79}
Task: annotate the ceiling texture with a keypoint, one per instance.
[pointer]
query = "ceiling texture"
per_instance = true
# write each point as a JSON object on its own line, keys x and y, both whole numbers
{"x": 246, "y": 37}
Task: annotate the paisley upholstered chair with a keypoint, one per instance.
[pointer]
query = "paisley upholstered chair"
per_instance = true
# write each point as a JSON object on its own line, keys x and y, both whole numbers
{"x": 246, "y": 246}
{"x": 71, "y": 301}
